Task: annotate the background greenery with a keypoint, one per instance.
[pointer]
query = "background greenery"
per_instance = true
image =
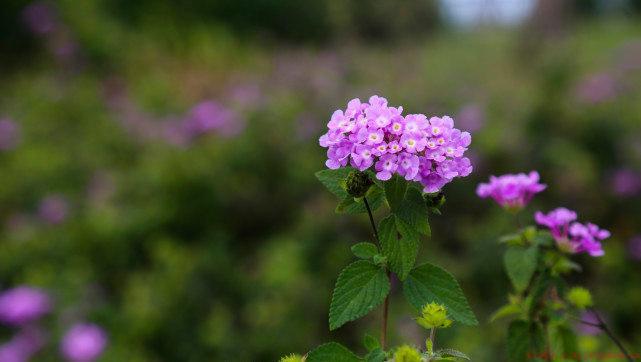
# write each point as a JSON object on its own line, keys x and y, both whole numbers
{"x": 226, "y": 248}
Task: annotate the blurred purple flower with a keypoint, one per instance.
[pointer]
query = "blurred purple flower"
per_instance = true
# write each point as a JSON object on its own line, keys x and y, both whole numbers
{"x": 83, "y": 343}
{"x": 625, "y": 183}
{"x": 9, "y": 134}
{"x": 471, "y": 117}
{"x": 40, "y": 17}
{"x": 307, "y": 126}
{"x": 597, "y": 88}
{"x": 245, "y": 95}
{"x": 586, "y": 329}
{"x": 511, "y": 191}
{"x": 209, "y": 116}
{"x": 23, "y": 345}
{"x": 571, "y": 236}
{"x": 53, "y": 209}
{"x": 634, "y": 247}
{"x": 23, "y": 304}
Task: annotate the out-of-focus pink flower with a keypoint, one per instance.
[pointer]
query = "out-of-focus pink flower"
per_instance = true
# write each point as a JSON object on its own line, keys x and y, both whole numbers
{"x": 625, "y": 183}
{"x": 40, "y": 17}
{"x": 23, "y": 345}
{"x": 23, "y": 304}
{"x": 512, "y": 191}
{"x": 634, "y": 247}
{"x": 597, "y": 88}
{"x": 211, "y": 116}
{"x": 83, "y": 343}
{"x": 471, "y": 117}
{"x": 588, "y": 329}
{"x": 53, "y": 209}
{"x": 9, "y": 134}
{"x": 572, "y": 236}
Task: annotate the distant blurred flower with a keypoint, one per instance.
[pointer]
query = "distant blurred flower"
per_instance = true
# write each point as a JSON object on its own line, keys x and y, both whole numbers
{"x": 40, "y": 17}
{"x": 583, "y": 328}
{"x": 245, "y": 95}
{"x": 571, "y": 236}
{"x": 53, "y": 209}
{"x": 83, "y": 343}
{"x": 9, "y": 134}
{"x": 634, "y": 247}
{"x": 23, "y": 345}
{"x": 597, "y": 88}
{"x": 23, "y": 304}
{"x": 306, "y": 126}
{"x": 625, "y": 183}
{"x": 511, "y": 191}
{"x": 376, "y": 135}
{"x": 209, "y": 116}
{"x": 471, "y": 117}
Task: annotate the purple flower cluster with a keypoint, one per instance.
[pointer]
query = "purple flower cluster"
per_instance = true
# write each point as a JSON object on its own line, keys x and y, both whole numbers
{"x": 83, "y": 343}
{"x": 511, "y": 191}
{"x": 22, "y": 305}
{"x": 23, "y": 346}
{"x": 376, "y": 135}
{"x": 570, "y": 235}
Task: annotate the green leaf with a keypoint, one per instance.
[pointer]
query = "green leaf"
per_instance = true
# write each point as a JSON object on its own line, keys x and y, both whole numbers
{"x": 449, "y": 352}
{"x": 332, "y": 351}
{"x": 364, "y": 250}
{"x": 507, "y": 310}
{"x": 370, "y": 342}
{"x": 350, "y": 205}
{"x": 360, "y": 287}
{"x": 520, "y": 264}
{"x": 400, "y": 252}
{"x": 429, "y": 283}
{"x": 377, "y": 355}
{"x": 413, "y": 211}
{"x": 563, "y": 342}
{"x": 334, "y": 180}
{"x": 539, "y": 287}
{"x": 395, "y": 191}
{"x": 525, "y": 341}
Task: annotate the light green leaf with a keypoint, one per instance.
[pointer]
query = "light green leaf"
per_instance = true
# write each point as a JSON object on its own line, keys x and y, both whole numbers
{"x": 364, "y": 250}
{"x": 449, "y": 352}
{"x": 413, "y": 211}
{"x": 563, "y": 342}
{"x": 507, "y": 310}
{"x": 429, "y": 283}
{"x": 520, "y": 264}
{"x": 395, "y": 191}
{"x": 400, "y": 252}
{"x": 377, "y": 355}
{"x": 524, "y": 341}
{"x": 334, "y": 180}
{"x": 370, "y": 342}
{"x": 332, "y": 351}
{"x": 360, "y": 287}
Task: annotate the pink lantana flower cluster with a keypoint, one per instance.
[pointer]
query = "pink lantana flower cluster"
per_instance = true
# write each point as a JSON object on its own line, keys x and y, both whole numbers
{"x": 572, "y": 236}
{"x": 511, "y": 191}
{"x": 373, "y": 134}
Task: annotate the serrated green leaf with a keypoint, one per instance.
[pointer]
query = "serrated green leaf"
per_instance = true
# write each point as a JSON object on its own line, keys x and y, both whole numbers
{"x": 364, "y": 250}
{"x": 429, "y": 283}
{"x": 350, "y": 205}
{"x": 525, "y": 341}
{"x": 400, "y": 252}
{"x": 334, "y": 179}
{"x": 520, "y": 263}
{"x": 563, "y": 342}
{"x": 377, "y": 355}
{"x": 370, "y": 342}
{"x": 539, "y": 287}
{"x": 395, "y": 191}
{"x": 413, "y": 211}
{"x": 449, "y": 352}
{"x": 332, "y": 351}
{"x": 360, "y": 287}
{"x": 507, "y": 310}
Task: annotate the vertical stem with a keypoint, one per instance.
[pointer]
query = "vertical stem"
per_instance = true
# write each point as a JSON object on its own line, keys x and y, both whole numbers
{"x": 386, "y": 303}
{"x": 433, "y": 337}
{"x": 604, "y": 327}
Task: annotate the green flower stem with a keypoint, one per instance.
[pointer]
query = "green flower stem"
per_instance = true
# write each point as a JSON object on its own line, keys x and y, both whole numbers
{"x": 604, "y": 327}
{"x": 386, "y": 303}
{"x": 432, "y": 337}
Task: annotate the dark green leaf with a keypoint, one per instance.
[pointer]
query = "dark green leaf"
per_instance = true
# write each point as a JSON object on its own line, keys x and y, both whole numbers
{"x": 395, "y": 191}
{"x": 525, "y": 342}
{"x": 332, "y": 351}
{"x": 370, "y": 342}
{"x": 429, "y": 283}
{"x": 563, "y": 342}
{"x": 413, "y": 211}
{"x": 350, "y": 205}
{"x": 360, "y": 287}
{"x": 400, "y": 252}
{"x": 334, "y": 180}
{"x": 520, "y": 264}
{"x": 364, "y": 250}
{"x": 377, "y": 355}
{"x": 449, "y": 352}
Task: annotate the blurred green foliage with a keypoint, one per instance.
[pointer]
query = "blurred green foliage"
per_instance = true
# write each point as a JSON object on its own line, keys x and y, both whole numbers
{"x": 226, "y": 249}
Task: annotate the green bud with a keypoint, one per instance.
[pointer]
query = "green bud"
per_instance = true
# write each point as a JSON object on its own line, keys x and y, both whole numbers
{"x": 358, "y": 183}
{"x": 579, "y": 297}
{"x": 435, "y": 200}
{"x": 293, "y": 358}
{"x": 407, "y": 353}
{"x": 434, "y": 316}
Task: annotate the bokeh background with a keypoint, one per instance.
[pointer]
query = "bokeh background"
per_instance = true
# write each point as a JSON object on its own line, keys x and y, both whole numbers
{"x": 157, "y": 160}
